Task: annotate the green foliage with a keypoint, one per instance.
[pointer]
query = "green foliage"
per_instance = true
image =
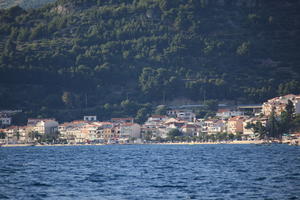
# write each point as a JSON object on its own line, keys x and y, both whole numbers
{"x": 34, "y": 135}
{"x": 142, "y": 115}
{"x": 275, "y": 127}
{"x": 211, "y": 105}
{"x": 259, "y": 129}
{"x": 296, "y": 123}
{"x": 144, "y": 50}
{"x": 161, "y": 110}
{"x": 27, "y": 4}
{"x": 291, "y": 87}
{"x": 2, "y": 135}
{"x": 172, "y": 134}
{"x": 129, "y": 107}
{"x": 243, "y": 49}
{"x": 50, "y": 138}
{"x": 68, "y": 99}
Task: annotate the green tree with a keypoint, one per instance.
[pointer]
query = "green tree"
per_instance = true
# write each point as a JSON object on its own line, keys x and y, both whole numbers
{"x": 68, "y": 99}
{"x": 159, "y": 139}
{"x": 238, "y": 136}
{"x": 2, "y": 135}
{"x": 174, "y": 133}
{"x": 141, "y": 115}
{"x": 286, "y": 118}
{"x": 272, "y": 127}
{"x": 258, "y": 129}
{"x": 38, "y": 31}
{"x": 50, "y": 137}
{"x": 23, "y": 34}
{"x": 243, "y": 49}
{"x": 168, "y": 4}
{"x": 10, "y": 47}
{"x": 17, "y": 135}
{"x": 296, "y": 123}
{"x": 161, "y": 110}
{"x": 148, "y": 136}
{"x": 290, "y": 87}
{"x": 290, "y": 110}
{"x": 129, "y": 107}
{"x": 231, "y": 136}
{"x": 211, "y": 105}
{"x": 34, "y": 135}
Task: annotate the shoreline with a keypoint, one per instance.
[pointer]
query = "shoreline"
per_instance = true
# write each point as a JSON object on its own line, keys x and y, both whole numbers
{"x": 171, "y": 143}
{"x": 47, "y": 145}
{"x": 224, "y": 142}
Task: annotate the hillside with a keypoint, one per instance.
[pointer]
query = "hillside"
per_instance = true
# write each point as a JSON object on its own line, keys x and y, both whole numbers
{"x": 26, "y": 4}
{"x": 86, "y": 56}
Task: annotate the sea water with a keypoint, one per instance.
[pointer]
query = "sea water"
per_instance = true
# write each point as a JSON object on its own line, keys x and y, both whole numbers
{"x": 138, "y": 172}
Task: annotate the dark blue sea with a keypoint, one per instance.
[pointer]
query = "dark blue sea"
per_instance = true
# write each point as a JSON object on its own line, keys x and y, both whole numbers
{"x": 138, "y": 172}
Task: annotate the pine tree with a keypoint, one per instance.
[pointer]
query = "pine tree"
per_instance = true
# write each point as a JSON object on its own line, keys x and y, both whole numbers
{"x": 273, "y": 127}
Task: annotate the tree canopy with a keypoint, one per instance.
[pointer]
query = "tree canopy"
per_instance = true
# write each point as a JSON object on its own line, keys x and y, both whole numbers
{"x": 77, "y": 54}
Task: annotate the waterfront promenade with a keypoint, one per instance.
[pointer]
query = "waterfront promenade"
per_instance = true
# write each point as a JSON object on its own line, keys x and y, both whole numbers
{"x": 291, "y": 142}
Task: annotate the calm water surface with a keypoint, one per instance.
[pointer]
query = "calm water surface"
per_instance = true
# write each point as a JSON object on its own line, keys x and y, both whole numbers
{"x": 151, "y": 172}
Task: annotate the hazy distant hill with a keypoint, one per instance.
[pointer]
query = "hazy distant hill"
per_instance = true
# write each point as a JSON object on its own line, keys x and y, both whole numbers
{"x": 78, "y": 54}
{"x": 4, "y": 4}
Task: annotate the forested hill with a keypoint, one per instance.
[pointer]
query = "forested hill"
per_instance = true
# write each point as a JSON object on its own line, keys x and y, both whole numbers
{"x": 76, "y": 54}
{"x": 26, "y": 4}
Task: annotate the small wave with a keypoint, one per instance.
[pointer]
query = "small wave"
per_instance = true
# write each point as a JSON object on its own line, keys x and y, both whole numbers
{"x": 260, "y": 179}
{"x": 39, "y": 184}
{"x": 169, "y": 186}
{"x": 2, "y": 196}
{"x": 295, "y": 174}
{"x": 293, "y": 198}
{"x": 242, "y": 170}
{"x": 292, "y": 177}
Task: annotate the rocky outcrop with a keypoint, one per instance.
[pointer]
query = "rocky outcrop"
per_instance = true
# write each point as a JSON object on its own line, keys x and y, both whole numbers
{"x": 63, "y": 9}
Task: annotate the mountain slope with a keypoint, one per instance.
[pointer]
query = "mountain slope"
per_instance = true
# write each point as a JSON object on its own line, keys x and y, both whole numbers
{"x": 26, "y": 4}
{"x": 98, "y": 52}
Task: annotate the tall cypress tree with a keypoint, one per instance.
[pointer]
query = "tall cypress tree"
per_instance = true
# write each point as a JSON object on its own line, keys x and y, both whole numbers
{"x": 290, "y": 109}
{"x": 273, "y": 127}
{"x": 287, "y": 118}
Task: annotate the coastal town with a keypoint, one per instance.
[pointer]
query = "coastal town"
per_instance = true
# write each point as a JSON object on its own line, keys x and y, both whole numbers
{"x": 177, "y": 125}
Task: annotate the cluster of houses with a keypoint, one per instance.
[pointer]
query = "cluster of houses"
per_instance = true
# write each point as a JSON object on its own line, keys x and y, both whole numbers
{"x": 125, "y": 130}
{"x": 6, "y": 117}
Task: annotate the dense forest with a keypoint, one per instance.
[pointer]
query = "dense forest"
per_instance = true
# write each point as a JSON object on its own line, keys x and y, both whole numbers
{"x": 120, "y": 57}
{"x": 26, "y": 4}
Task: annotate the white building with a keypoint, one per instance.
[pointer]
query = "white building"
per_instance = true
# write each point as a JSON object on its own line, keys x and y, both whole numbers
{"x": 226, "y": 113}
{"x": 90, "y": 118}
{"x": 5, "y": 121}
{"x": 191, "y": 129}
{"x": 213, "y": 126}
{"x": 92, "y": 132}
{"x": 278, "y": 104}
{"x": 16, "y": 134}
{"x": 157, "y": 118}
{"x": 72, "y": 131}
{"x": 130, "y": 130}
{"x": 44, "y": 126}
{"x": 185, "y": 115}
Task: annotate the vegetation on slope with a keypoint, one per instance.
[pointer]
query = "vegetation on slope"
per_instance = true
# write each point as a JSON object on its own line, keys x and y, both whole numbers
{"x": 114, "y": 57}
{"x": 26, "y": 4}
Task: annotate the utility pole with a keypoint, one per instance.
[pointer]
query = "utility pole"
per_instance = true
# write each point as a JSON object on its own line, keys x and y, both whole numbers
{"x": 86, "y": 100}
